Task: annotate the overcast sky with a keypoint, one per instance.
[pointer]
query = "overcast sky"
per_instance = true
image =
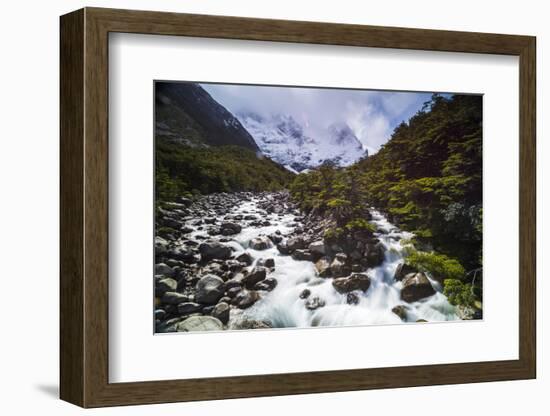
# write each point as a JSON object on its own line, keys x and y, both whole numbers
{"x": 372, "y": 115}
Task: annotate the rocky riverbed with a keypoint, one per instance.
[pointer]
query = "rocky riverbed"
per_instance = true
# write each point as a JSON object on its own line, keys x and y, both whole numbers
{"x": 246, "y": 261}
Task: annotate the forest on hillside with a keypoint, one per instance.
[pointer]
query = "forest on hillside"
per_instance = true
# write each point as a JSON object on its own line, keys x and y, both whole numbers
{"x": 427, "y": 179}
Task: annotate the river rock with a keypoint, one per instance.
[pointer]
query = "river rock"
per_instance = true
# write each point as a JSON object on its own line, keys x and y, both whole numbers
{"x": 160, "y": 314}
{"x": 314, "y": 303}
{"x": 187, "y": 308}
{"x": 213, "y": 268}
{"x": 233, "y": 265}
{"x": 317, "y": 247}
{"x": 165, "y": 285}
{"x": 245, "y": 258}
{"x": 276, "y": 238}
{"x": 212, "y": 231}
{"x": 283, "y": 248}
{"x": 164, "y": 269}
{"x": 323, "y": 267}
{"x": 236, "y": 281}
{"x": 184, "y": 201}
{"x": 401, "y": 311}
{"x": 268, "y": 284}
{"x": 182, "y": 253}
{"x": 214, "y": 250}
{"x": 356, "y": 281}
{"x": 304, "y": 255}
{"x": 174, "y": 263}
{"x": 245, "y": 299}
{"x": 209, "y": 289}
{"x": 221, "y": 312}
{"x": 161, "y": 245}
{"x": 338, "y": 267}
{"x": 416, "y": 287}
{"x": 234, "y": 291}
{"x": 252, "y": 324}
{"x": 269, "y": 263}
{"x": 305, "y": 294}
{"x": 402, "y": 270}
{"x": 230, "y": 228}
{"x": 296, "y": 243}
{"x": 173, "y": 298}
{"x": 352, "y": 298}
{"x": 257, "y": 274}
{"x": 260, "y": 243}
{"x": 199, "y": 323}
{"x": 374, "y": 254}
{"x": 169, "y": 325}
{"x": 186, "y": 229}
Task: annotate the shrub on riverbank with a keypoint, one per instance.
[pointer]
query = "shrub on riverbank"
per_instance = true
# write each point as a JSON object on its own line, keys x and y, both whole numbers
{"x": 459, "y": 293}
{"x": 439, "y": 266}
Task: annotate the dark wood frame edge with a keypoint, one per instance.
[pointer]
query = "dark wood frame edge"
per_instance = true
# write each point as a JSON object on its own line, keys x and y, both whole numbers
{"x": 84, "y": 207}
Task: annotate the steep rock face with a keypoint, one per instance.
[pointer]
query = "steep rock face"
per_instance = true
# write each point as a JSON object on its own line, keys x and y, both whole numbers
{"x": 284, "y": 140}
{"x": 185, "y": 113}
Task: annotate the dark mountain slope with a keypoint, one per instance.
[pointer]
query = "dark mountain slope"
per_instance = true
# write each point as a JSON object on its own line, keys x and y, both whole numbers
{"x": 186, "y": 114}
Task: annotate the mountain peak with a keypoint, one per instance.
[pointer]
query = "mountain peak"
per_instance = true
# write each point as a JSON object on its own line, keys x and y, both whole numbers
{"x": 283, "y": 139}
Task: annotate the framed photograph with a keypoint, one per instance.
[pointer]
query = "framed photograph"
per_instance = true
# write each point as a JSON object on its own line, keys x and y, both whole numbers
{"x": 257, "y": 207}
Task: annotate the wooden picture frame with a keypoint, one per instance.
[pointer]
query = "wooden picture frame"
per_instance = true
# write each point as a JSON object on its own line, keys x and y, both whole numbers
{"x": 84, "y": 207}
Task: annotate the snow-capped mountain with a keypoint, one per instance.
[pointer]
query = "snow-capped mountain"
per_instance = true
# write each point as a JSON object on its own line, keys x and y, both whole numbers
{"x": 284, "y": 140}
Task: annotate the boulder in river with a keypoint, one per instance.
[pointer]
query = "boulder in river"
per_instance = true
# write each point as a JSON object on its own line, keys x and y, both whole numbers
{"x": 221, "y": 312}
{"x": 269, "y": 263}
{"x": 187, "y": 308}
{"x": 245, "y": 258}
{"x": 402, "y": 270}
{"x": 268, "y": 284}
{"x": 209, "y": 289}
{"x": 252, "y": 324}
{"x": 276, "y": 238}
{"x": 352, "y": 298}
{"x": 283, "y": 248}
{"x": 165, "y": 285}
{"x": 317, "y": 247}
{"x": 182, "y": 253}
{"x": 356, "y": 281}
{"x": 401, "y": 311}
{"x": 164, "y": 269}
{"x": 305, "y": 294}
{"x": 339, "y": 268}
{"x": 199, "y": 323}
{"x": 161, "y": 245}
{"x": 374, "y": 254}
{"x": 230, "y": 228}
{"x": 245, "y": 298}
{"x": 257, "y": 274}
{"x": 415, "y": 287}
{"x": 314, "y": 303}
{"x": 260, "y": 243}
{"x": 323, "y": 267}
{"x": 214, "y": 250}
{"x": 296, "y": 243}
{"x": 304, "y": 255}
{"x": 173, "y": 298}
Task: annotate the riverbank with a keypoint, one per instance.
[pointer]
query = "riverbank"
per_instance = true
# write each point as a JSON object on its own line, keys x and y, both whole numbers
{"x": 244, "y": 261}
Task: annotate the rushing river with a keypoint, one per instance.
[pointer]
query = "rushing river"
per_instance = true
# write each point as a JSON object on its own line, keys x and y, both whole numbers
{"x": 283, "y": 306}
